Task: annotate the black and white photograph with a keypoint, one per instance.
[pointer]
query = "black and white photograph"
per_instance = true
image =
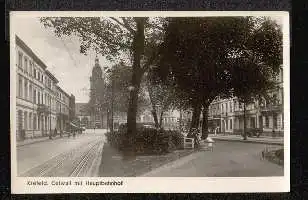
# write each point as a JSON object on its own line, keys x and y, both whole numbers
{"x": 139, "y": 95}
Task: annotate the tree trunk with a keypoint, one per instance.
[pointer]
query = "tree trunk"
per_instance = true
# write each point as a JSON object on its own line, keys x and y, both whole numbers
{"x": 205, "y": 121}
{"x": 138, "y": 50}
{"x": 154, "y": 114}
{"x": 154, "y": 111}
{"x": 244, "y": 115}
{"x": 161, "y": 118}
{"x": 195, "y": 117}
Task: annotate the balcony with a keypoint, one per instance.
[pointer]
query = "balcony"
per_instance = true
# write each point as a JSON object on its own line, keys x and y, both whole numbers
{"x": 271, "y": 108}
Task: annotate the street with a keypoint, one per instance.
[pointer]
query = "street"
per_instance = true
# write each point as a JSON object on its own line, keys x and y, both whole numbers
{"x": 62, "y": 157}
{"x": 80, "y": 156}
{"x": 229, "y": 159}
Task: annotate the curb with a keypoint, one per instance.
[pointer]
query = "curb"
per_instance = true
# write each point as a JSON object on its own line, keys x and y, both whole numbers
{"x": 38, "y": 141}
{"x": 249, "y": 141}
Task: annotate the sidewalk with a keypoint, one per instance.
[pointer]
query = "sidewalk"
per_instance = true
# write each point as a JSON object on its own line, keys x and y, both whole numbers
{"x": 238, "y": 138}
{"x": 36, "y": 140}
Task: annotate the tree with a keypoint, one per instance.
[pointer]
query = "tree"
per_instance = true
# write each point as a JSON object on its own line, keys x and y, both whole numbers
{"x": 209, "y": 57}
{"x": 137, "y": 37}
{"x": 117, "y": 93}
{"x": 162, "y": 96}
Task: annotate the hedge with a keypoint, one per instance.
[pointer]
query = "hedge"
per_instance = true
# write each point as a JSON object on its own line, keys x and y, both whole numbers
{"x": 148, "y": 141}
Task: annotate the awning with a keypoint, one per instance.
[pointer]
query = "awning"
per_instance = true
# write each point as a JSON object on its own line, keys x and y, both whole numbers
{"x": 73, "y": 125}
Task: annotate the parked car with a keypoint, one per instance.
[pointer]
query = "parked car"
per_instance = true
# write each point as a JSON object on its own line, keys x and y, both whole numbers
{"x": 254, "y": 132}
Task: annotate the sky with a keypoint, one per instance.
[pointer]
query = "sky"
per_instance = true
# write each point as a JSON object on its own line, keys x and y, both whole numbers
{"x": 61, "y": 56}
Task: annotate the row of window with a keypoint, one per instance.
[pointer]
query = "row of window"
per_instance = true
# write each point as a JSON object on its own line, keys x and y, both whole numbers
{"x": 32, "y": 70}
{"x": 231, "y": 107}
{"x": 31, "y": 121}
{"x": 229, "y": 123}
{"x": 26, "y": 90}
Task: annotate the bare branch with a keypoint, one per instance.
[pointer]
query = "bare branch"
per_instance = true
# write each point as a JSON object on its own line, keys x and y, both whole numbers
{"x": 124, "y": 25}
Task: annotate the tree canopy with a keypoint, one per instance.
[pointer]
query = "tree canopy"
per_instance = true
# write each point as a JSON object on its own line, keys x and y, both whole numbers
{"x": 220, "y": 56}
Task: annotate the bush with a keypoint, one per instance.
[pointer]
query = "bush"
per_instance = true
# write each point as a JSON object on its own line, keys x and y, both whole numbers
{"x": 177, "y": 139}
{"x": 148, "y": 140}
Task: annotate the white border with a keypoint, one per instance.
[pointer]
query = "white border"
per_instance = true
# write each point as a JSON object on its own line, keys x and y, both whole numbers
{"x": 158, "y": 184}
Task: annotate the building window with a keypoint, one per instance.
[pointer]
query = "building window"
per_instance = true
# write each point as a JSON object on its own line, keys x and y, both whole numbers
{"x": 275, "y": 120}
{"x": 226, "y": 107}
{"x": 34, "y": 121}
{"x": 30, "y": 69}
{"x": 20, "y": 60}
{"x": 25, "y": 120}
{"x": 226, "y": 124}
{"x": 266, "y": 122}
{"x": 38, "y": 97}
{"x": 26, "y": 65}
{"x": 30, "y": 91}
{"x": 26, "y": 89}
{"x": 34, "y": 96}
{"x": 19, "y": 86}
{"x": 30, "y": 120}
{"x": 230, "y": 123}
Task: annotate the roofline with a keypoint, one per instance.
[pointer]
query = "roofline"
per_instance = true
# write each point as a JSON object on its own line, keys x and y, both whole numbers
{"x": 51, "y": 76}
{"x": 62, "y": 91}
{"x": 26, "y": 48}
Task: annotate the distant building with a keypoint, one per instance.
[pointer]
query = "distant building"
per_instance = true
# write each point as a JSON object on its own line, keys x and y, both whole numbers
{"x": 227, "y": 115}
{"x": 83, "y": 114}
{"x": 62, "y": 107}
{"x": 72, "y": 108}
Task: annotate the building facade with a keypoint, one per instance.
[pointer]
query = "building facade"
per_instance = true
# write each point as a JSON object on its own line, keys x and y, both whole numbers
{"x": 227, "y": 115}
{"x": 72, "y": 108}
{"x": 36, "y": 100}
{"x": 62, "y": 107}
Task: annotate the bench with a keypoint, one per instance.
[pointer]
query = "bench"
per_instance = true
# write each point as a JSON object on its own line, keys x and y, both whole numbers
{"x": 189, "y": 143}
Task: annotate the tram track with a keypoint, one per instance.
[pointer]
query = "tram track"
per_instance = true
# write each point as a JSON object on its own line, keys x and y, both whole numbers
{"x": 72, "y": 163}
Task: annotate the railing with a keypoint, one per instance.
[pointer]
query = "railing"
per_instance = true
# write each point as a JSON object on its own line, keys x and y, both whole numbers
{"x": 268, "y": 108}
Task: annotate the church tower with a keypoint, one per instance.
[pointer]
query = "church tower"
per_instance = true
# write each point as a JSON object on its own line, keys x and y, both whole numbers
{"x": 97, "y": 95}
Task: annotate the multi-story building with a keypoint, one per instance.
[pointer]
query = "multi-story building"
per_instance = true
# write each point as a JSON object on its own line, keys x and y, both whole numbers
{"x": 227, "y": 115}
{"x": 72, "y": 108}
{"x": 62, "y": 107}
{"x": 36, "y": 94}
